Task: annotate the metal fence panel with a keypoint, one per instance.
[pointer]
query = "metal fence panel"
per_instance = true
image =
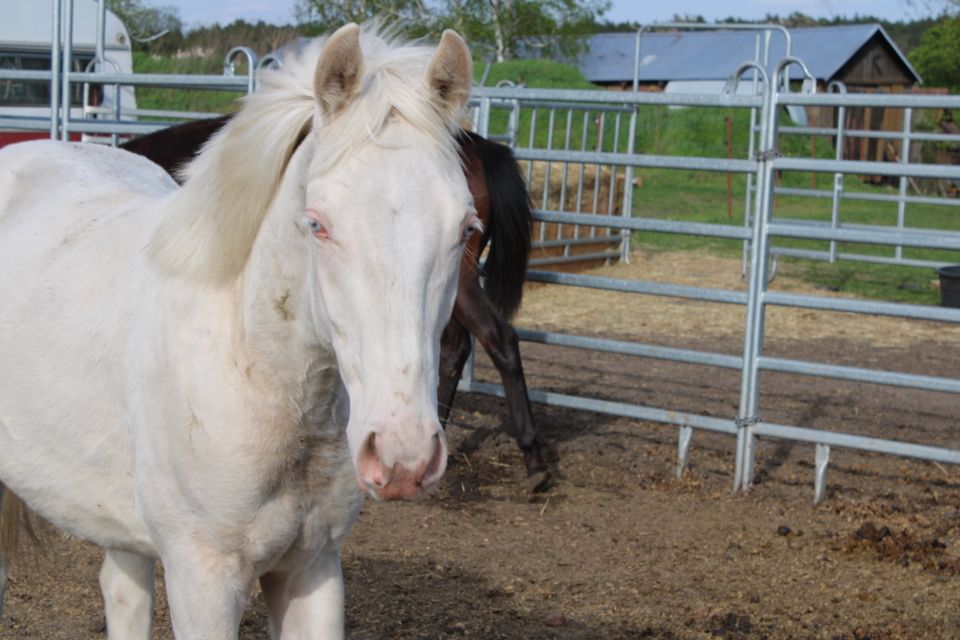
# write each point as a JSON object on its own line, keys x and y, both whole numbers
{"x": 762, "y": 166}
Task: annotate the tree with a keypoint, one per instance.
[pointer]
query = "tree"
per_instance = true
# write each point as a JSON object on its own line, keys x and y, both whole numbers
{"x": 937, "y": 57}
{"x": 322, "y": 16}
{"x": 935, "y": 6}
{"x": 557, "y": 26}
{"x": 551, "y": 26}
{"x": 497, "y": 26}
{"x": 145, "y": 21}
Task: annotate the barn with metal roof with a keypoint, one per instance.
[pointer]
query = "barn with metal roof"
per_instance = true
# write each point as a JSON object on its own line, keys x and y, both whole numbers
{"x": 861, "y": 56}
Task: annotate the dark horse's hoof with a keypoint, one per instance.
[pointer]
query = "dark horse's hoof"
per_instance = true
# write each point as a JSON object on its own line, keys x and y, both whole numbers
{"x": 539, "y": 478}
{"x": 539, "y": 481}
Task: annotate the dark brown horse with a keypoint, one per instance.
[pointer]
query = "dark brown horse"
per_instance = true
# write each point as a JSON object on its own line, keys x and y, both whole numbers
{"x": 502, "y": 203}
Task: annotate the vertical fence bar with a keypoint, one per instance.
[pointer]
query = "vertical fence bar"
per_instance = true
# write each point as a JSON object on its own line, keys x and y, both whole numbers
{"x": 601, "y": 131}
{"x": 683, "y": 449}
{"x": 837, "y": 182}
{"x": 614, "y": 169}
{"x": 67, "y": 101}
{"x": 547, "y": 165}
{"x": 514, "y": 123}
{"x": 821, "y": 460}
{"x": 902, "y": 194}
{"x": 530, "y": 145}
{"x": 101, "y": 34}
{"x": 55, "y": 62}
{"x": 100, "y": 65}
{"x": 627, "y": 211}
{"x": 583, "y": 168}
{"x": 837, "y": 87}
{"x": 483, "y": 118}
{"x": 753, "y": 330}
{"x": 483, "y": 128}
{"x": 568, "y": 132}
{"x": 751, "y": 150}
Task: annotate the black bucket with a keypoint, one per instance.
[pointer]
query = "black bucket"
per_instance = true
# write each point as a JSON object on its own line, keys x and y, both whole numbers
{"x": 950, "y": 286}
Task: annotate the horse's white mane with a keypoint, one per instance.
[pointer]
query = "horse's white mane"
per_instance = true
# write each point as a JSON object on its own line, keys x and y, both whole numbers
{"x": 208, "y": 231}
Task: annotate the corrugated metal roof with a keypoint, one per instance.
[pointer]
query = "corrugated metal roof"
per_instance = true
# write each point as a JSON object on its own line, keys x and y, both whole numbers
{"x": 714, "y": 55}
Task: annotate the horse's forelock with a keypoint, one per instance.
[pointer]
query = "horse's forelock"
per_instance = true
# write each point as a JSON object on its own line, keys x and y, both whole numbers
{"x": 393, "y": 86}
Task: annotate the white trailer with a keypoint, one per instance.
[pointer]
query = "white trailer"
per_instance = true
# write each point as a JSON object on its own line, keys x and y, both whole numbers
{"x": 27, "y": 46}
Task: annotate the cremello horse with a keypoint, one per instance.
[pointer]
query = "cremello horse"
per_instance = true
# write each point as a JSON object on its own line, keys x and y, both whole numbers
{"x": 210, "y": 375}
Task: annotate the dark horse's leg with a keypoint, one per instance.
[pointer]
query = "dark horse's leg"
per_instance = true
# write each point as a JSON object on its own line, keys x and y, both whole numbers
{"x": 473, "y": 313}
{"x": 454, "y": 351}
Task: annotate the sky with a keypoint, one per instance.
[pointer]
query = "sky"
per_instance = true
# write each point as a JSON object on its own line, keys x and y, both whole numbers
{"x": 204, "y": 12}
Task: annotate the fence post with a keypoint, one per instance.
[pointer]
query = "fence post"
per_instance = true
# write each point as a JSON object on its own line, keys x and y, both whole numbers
{"x": 65, "y": 100}
{"x": 753, "y": 330}
{"x": 55, "y": 65}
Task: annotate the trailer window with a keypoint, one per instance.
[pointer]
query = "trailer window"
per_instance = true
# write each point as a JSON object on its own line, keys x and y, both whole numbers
{"x": 35, "y": 93}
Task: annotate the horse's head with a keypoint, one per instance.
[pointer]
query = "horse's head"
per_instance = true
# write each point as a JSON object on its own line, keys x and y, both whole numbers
{"x": 388, "y": 212}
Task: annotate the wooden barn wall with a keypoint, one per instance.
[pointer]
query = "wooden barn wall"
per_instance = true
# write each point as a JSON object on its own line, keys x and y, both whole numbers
{"x": 875, "y": 65}
{"x": 876, "y": 68}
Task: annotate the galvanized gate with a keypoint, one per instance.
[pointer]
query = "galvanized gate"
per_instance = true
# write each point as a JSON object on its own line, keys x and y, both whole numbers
{"x": 760, "y": 234}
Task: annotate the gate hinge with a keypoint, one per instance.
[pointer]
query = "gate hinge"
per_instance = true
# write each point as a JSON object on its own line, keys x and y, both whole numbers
{"x": 769, "y": 154}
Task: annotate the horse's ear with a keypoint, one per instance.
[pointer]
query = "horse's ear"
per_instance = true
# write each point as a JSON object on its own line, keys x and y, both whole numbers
{"x": 450, "y": 74}
{"x": 339, "y": 69}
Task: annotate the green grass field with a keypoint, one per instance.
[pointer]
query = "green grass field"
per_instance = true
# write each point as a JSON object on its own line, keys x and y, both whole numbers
{"x": 204, "y": 101}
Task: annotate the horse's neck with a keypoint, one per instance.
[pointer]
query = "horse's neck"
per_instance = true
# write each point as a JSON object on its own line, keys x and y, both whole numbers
{"x": 277, "y": 304}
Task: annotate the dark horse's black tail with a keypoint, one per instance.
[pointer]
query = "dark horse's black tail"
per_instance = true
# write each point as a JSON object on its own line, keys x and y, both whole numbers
{"x": 509, "y": 226}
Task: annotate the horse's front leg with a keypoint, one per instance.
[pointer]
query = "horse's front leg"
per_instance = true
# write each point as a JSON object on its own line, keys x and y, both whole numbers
{"x": 306, "y": 602}
{"x": 207, "y": 591}
{"x": 126, "y": 581}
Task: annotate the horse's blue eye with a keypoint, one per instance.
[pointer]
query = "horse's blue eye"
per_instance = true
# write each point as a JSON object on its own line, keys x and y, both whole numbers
{"x": 315, "y": 226}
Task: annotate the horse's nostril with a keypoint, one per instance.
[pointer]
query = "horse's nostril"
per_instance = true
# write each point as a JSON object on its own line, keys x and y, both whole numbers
{"x": 370, "y": 446}
{"x": 436, "y": 464}
{"x": 370, "y": 468}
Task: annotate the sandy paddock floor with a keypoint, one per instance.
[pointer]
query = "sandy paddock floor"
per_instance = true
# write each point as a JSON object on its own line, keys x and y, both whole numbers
{"x": 618, "y": 547}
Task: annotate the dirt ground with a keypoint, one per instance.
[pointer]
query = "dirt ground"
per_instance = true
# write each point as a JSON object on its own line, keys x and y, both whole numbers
{"x": 619, "y": 548}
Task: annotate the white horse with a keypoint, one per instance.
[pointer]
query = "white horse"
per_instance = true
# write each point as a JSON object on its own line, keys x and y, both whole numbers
{"x": 212, "y": 375}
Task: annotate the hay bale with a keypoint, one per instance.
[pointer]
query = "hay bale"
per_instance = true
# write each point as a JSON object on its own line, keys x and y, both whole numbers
{"x": 594, "y": 184}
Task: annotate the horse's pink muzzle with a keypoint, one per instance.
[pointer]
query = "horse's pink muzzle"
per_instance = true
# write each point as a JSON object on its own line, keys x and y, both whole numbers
{"x": 399, "y": 481}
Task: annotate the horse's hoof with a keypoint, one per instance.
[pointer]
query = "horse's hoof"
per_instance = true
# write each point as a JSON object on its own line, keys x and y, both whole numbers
{"x": 539, "y": 481}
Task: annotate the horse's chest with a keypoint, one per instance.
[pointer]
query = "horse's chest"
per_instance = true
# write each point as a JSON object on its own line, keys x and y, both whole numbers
{"x": 314, "y": 510}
